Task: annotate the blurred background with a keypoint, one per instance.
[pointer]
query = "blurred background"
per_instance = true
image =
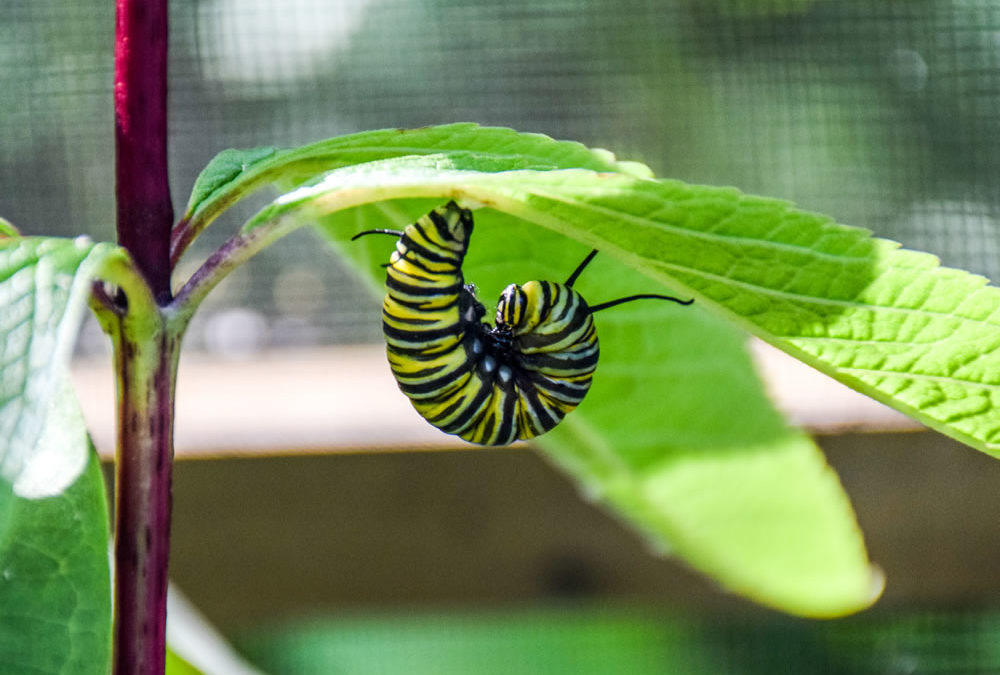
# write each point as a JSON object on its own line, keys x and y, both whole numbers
{"x": 882, "y": 113}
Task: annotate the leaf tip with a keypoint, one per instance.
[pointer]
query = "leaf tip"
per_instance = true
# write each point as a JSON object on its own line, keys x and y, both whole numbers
{"x": 865, "y": 594}
{"x": 876, "y": 581}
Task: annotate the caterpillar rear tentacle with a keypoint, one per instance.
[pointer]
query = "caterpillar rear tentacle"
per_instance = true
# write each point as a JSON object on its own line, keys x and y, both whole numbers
{"x": 490, "y": 385}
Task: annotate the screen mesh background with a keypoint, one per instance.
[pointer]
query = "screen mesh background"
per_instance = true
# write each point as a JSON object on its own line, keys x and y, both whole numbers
{"x": 883, "y": 114}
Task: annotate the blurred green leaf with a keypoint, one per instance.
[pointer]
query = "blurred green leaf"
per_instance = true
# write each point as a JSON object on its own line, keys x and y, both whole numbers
{"x": 577, "y": 640}
{"x": 7, "y": 229}
{"x": 55, "y": 584}
{"x": 6, "y": 505}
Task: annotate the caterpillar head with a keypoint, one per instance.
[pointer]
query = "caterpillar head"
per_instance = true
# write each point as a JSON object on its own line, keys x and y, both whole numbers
{"x": 522, "y": 308}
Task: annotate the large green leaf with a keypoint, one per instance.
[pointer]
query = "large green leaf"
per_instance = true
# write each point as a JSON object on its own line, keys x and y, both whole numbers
{"x": 672, "y": 435}
{"x": 892, "y": 323}
{"x": 675, "y": 433}
{"x": 55, "y": 586}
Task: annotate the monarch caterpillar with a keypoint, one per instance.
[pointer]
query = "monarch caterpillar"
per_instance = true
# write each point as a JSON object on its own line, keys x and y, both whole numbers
{"x": 490, "y": 385}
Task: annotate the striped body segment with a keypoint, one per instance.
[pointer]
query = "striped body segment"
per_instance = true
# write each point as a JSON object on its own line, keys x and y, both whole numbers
{"x": 490, "y": 385}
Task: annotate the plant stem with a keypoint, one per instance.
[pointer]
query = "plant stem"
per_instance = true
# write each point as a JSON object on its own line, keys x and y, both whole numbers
{"x": 146, "y": 370}
{"x": 146, "y": 347}
{"x": 147, "y": 342}
{"x": 145, "y": 214}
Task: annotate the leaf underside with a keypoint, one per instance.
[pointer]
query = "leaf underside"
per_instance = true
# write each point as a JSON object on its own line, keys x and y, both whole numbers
{"x": 890, "y": 322}
{"x": 44, "y": 288}
{"x": 676, "y": 434}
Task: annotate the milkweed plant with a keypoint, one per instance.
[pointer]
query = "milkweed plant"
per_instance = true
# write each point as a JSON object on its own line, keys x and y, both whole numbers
{"x": 675, "y": 434}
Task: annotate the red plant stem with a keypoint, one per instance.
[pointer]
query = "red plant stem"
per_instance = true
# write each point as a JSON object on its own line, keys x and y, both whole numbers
{"x": 145, "y": 214}
{"x": 146, "y": 352}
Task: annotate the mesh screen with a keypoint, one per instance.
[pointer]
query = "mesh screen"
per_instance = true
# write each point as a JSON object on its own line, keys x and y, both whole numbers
{"x": 884, "y": 114}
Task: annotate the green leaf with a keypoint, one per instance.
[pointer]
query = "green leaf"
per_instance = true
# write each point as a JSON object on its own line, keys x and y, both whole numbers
{"x": 235, "y": 173}
{"x": 55, "y": 585}
{"x": 575, "y": 639}
{"x": 7, "y": 229}
{"x": 225, "y": 172}
{"x": 55, "y": 594}
{"x": 6, "y": 505}
{"x": 675, "y": 433}
{"x": 891, "y": 323}
{"x": 44, "y": 287}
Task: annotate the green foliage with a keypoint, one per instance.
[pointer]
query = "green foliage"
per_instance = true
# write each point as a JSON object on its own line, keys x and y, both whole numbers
{"x": 7, "y": 229}
{"x": 889, "y": 322}
{"x": 44, "y": 288}
{"x": 55, "y": 597}
{"x": 55, "y": 588}
{"x": 676, "y": 434}
{"x": 227, "y": 168}
{"x": 235, "y": 173}
{"x": 579, "y": 640}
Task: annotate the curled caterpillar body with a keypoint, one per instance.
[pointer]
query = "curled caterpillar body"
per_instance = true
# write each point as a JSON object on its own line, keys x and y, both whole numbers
{"x": 490, "y": 385}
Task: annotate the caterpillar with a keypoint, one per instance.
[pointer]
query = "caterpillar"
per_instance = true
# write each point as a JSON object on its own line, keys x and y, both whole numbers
{"x": 490, "y": 385}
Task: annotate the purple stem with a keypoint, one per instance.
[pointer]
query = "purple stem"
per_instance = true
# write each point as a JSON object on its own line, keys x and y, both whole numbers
{"x": 145, "y": 214}
{"x": 145, "y": 357}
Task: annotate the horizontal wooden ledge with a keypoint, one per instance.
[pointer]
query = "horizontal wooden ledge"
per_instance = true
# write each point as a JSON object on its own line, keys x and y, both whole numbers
{"x": 344, "y": 399}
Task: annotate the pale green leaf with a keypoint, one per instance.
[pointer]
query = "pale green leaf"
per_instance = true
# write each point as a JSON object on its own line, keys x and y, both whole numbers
{"x": 7, "y": 229}
{"x": 44, "y": 287}
{"x": 890, "y": 322}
